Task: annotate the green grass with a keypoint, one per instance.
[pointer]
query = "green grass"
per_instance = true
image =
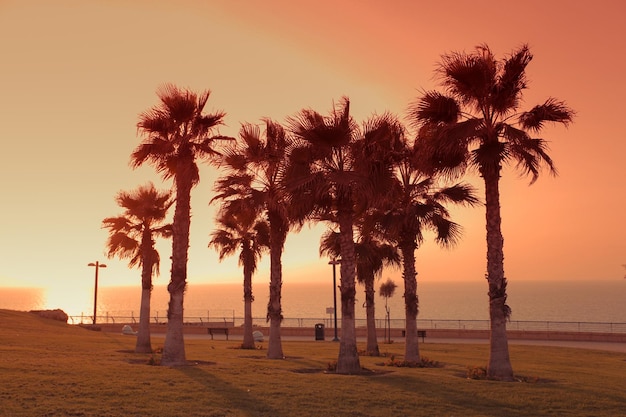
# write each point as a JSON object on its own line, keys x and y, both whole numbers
{"x": 49, "y": 368}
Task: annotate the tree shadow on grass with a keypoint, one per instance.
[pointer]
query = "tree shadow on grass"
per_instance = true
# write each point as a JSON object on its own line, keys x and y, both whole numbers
{"x": 235, "y": 397}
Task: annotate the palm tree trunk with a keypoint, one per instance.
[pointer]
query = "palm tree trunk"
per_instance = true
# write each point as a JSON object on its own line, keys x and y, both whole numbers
{"x": 499, "y": 362}
{"x": 370, "y": 313}
{"x": 143, "y": 334}
{"x": 274, "y": 307}
{"x": 248, "y": 339}
{"x": 174, "y": 346}
{"x": 348, "y": 360}
{"x": 411, "y": 349}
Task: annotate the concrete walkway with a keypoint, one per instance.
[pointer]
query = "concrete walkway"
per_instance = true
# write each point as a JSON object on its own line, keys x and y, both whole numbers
{"x": 606, "y": 346}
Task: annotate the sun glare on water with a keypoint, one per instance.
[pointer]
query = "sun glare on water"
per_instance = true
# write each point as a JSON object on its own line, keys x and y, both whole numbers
{"x": 74, "y": 301}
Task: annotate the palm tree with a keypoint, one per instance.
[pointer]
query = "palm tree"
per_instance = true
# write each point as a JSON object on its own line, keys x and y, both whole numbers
{"x": 255, "y": 167}
{"x": 241, "y": 228}
{"x": 477, "y": 123}
{"x": 387, "y": 290}
{"x": 131, "y": 236}
{"x": 414, "y": 206}
{"x": 333, "y": 179}
{"x": 176, "y": 134}
{"x": 371, "y": 255}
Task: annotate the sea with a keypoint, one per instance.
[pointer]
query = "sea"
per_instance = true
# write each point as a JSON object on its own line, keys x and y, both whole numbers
{"x": 565, "y": 301}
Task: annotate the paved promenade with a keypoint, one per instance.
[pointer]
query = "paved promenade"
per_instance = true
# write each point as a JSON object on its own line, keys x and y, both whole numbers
{"x": 615, "y": 342}
{"x": 606, "y": 346}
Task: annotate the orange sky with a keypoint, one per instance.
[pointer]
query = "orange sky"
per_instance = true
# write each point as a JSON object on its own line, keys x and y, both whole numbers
{"x": 75, "y": 75}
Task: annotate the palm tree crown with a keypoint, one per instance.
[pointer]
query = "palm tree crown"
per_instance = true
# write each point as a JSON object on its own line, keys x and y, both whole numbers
{"x": 145, "y": 210}
{"x": 177, "y": 131}
{"x": 478, "y": 123}
{"x": 243, "y": 230}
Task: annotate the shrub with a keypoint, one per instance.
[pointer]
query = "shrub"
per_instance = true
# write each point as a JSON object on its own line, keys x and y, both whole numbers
{"x": 477, "y": 372}
{"x": 424, "y": 362}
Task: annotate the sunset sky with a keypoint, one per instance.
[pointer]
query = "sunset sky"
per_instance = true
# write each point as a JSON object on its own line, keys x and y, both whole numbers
{"x": 76, "y": 74}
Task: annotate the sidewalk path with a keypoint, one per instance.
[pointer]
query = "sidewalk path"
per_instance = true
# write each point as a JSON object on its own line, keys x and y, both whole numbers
{"x": 606, "y": 346}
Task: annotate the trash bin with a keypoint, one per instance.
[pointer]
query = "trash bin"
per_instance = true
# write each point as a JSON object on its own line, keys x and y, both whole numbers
{"x": 319, "y": 331}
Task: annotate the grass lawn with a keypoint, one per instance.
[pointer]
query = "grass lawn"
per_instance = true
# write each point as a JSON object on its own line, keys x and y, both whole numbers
{"x": 48, "y": 368}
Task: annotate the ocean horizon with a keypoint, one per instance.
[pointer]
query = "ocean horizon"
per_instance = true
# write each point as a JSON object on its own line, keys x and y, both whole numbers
{"x": 567, "y": 301}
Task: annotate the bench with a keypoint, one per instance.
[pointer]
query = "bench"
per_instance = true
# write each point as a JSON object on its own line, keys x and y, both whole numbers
{"x": 219, "y": 327}
{"x": 422, "y": 334}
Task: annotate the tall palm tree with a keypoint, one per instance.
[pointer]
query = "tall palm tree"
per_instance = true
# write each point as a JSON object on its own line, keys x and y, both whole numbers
{"x": 255, "y": 167}
{"x": 414, "y": 205}
{"x": 371, "y": 256}
{"x": 477, "y": 123}
{"x": 131, "y": 236}
{"x": 332, "y": 179}
{"x": 241, "y": 229}
{"x": 176, "y": 134}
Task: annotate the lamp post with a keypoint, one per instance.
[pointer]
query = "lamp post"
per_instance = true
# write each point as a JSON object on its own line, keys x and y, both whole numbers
{"x": 98, "y": 265}
{"x": 334, "y": 263}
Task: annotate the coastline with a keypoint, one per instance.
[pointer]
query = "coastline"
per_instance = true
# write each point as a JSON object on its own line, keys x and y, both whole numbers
{"x": 575, "y": 301}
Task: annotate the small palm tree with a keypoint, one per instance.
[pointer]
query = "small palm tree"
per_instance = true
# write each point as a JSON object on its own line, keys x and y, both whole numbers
{"x": 131, "y": 236}
{"x": 177, "y": 133}
{"x": 387, "y": 290}
{"x": 241, "y": 229}
{"x": 255, "y": 167}
{"x": 477, "y": 123}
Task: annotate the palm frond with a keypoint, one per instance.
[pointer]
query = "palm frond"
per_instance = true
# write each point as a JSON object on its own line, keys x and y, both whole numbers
{"x": 330, "y": 244}
{"x": 179, "y": 104}
{"x": 506, "y": 94}
{"x": 122, "y": 245}
{"x": 205, "y": 123}
{"x": 251, "y": 136}
{"x": 443, "y": 150}
{"x": 117, "y": 224}
{"x": 530, "y": 155}
{"x": 163, "y": 231}
{"x": 154, "y": 150}
{"x": 435, "y": 108}
{"x": 155, "y": 122}
{"x": 552, "y": 110}
{"x": 448, "y": 233}
{"x": 469, "y": 77}
{"x": 225, "y": 243}
{"x": 460, "y": 193}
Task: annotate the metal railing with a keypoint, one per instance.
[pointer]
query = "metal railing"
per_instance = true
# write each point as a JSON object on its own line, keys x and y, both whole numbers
{"x": 422, "y": 324}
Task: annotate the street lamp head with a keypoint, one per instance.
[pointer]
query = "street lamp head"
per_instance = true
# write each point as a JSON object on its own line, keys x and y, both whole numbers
{"x": 97, "y": 264}
{"x": 334, "y": 262}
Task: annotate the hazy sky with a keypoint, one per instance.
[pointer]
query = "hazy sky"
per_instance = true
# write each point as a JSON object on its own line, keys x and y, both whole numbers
{"x": 76, "y": 74}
